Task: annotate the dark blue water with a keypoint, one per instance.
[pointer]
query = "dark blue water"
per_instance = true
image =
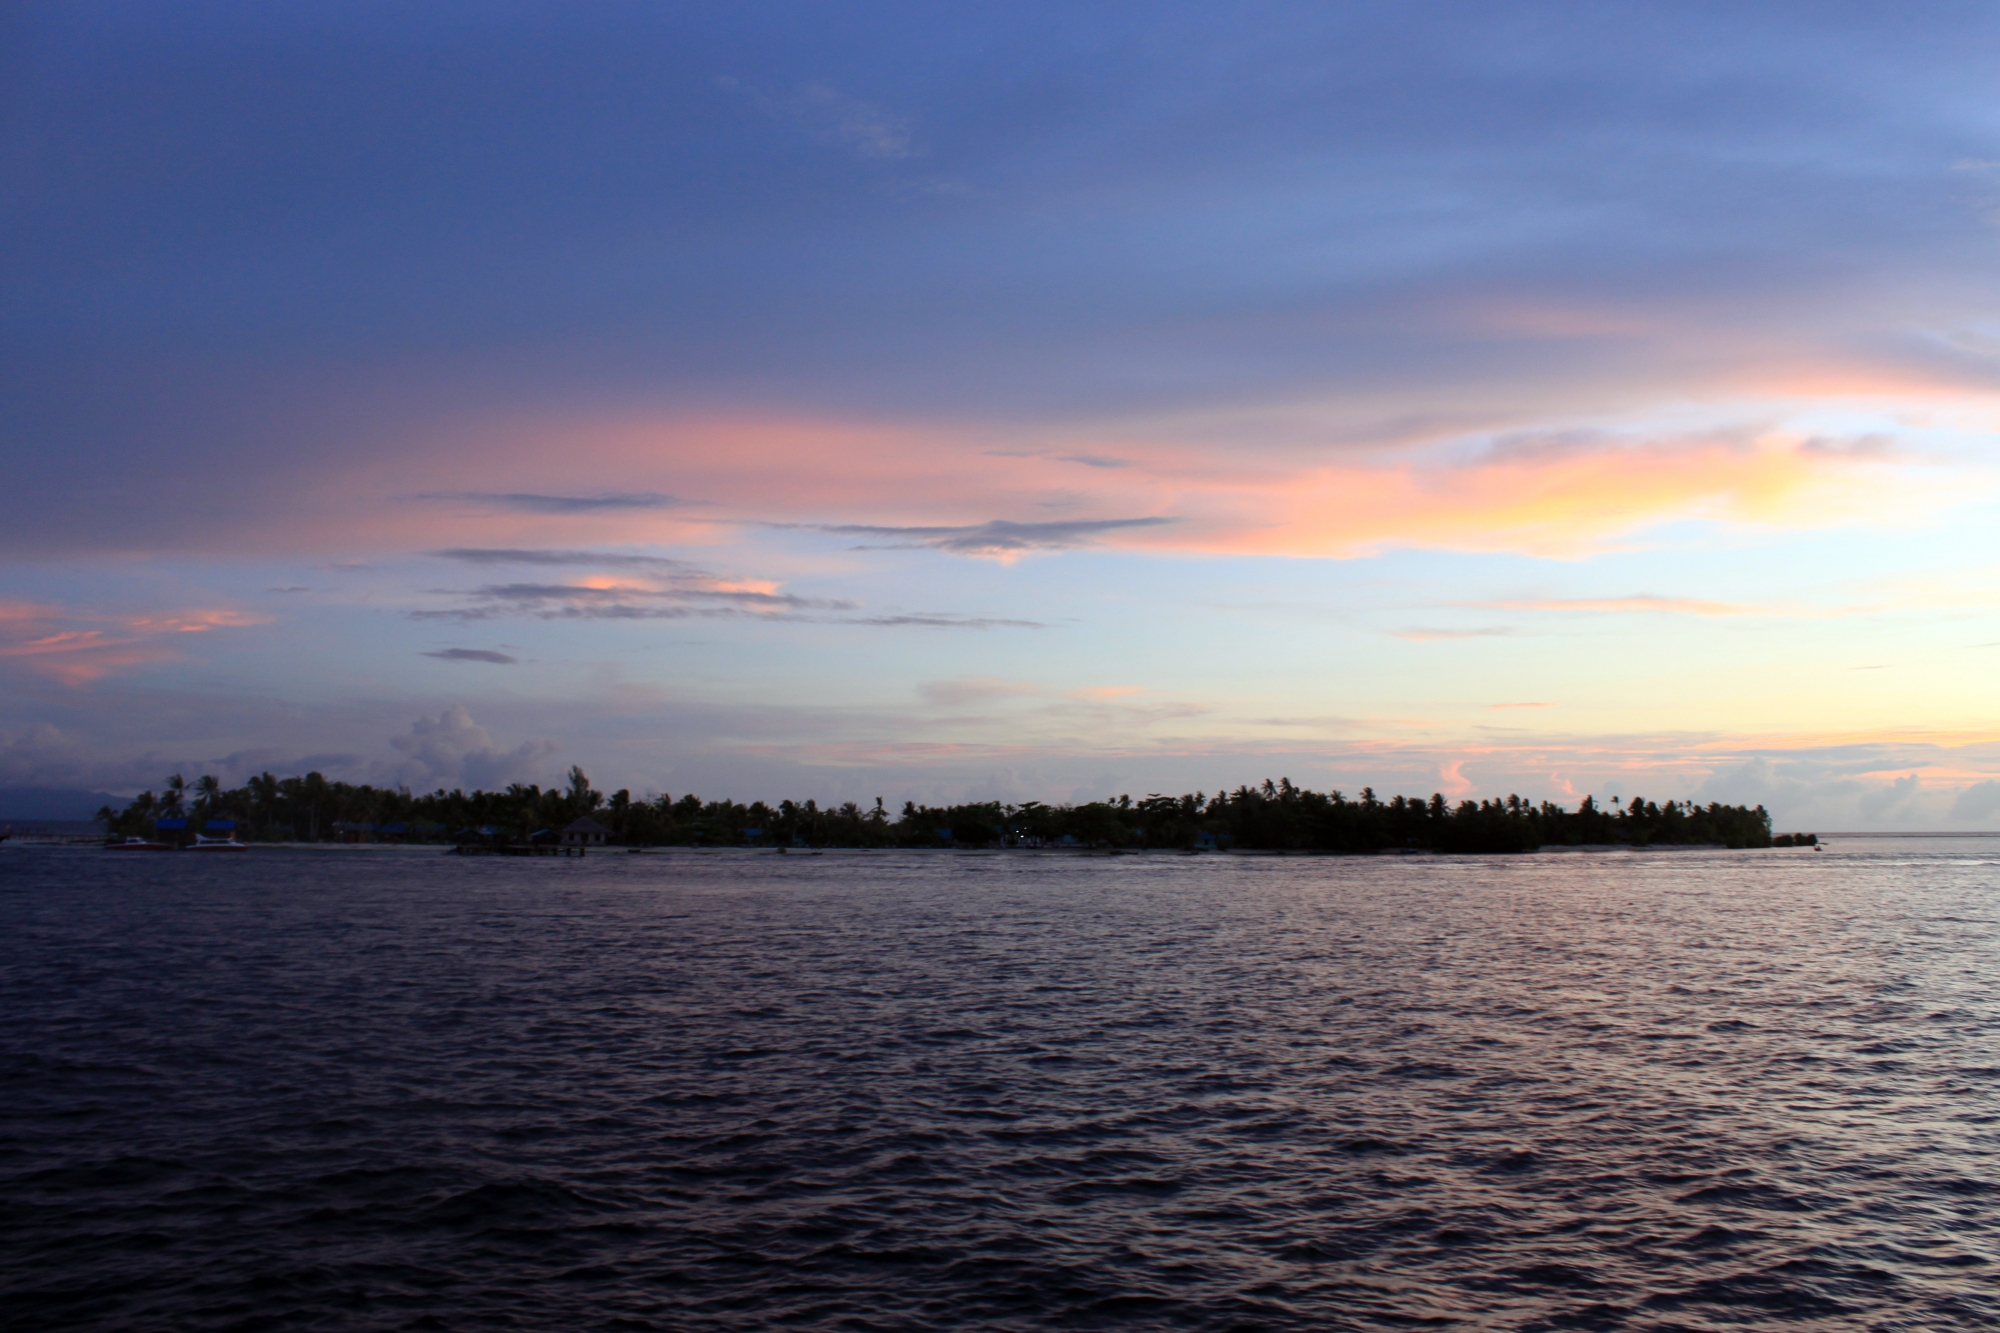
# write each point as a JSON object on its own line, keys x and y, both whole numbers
{"x": 333, "y": 1090}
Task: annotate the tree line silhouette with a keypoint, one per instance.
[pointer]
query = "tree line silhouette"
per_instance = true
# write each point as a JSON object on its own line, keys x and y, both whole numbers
{"x": 1276, "y": 816}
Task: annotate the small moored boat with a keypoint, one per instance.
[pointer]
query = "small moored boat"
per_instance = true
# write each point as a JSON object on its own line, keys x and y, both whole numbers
{"x": 139, "y": 845}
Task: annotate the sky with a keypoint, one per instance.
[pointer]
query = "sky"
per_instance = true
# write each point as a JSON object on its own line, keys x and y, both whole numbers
{"x": 1007, "y": 402}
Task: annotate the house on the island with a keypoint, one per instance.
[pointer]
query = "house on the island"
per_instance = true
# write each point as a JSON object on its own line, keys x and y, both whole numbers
{"x": 584, "y": 832}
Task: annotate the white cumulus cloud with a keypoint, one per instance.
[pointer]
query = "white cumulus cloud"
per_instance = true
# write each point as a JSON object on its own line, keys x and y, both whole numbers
{"x": 452, "y": 750}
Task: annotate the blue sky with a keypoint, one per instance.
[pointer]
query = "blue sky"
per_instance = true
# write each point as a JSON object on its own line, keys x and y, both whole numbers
{"x": 939, "y": 402}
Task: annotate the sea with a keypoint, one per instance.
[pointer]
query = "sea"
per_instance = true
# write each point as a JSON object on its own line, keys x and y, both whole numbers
{"x": 388, "y": 1089}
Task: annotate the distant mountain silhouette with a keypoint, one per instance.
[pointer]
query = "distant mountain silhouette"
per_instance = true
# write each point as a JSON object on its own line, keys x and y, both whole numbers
{"x": 67, "y": 803}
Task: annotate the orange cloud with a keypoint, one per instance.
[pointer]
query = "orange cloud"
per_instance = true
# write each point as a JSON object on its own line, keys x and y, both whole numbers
{"x": 1560, "y": 501}
{"x": 190, "y": 622}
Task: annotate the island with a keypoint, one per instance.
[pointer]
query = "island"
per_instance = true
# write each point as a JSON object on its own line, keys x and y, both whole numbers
{"x": 1274, "y": 817}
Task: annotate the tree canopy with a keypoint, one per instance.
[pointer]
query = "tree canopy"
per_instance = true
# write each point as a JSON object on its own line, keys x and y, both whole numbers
{"x": 1276, "y": 816}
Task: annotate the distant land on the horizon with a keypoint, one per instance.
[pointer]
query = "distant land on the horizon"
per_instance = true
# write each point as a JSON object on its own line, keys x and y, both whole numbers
{"x": 57, "y": 803}
{"x": 1277, "y": 816}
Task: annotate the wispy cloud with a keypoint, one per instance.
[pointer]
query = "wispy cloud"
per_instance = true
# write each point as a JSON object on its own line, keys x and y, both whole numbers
{"x": 831, "y": 116}
{"x": 866, "y": 127}
{"x": 631, "y": 587}
{"x": 473, "y": 655}
{"x": 576, "y": 601}
{"x": 1634, "y": 604}
{"x": 998, "y": 537}
{"x": 554, "y": 601}
{"x": 1057, "y": 707}
{"x": 1424, "y": 635}
{"x": 645, "y": 587}
{"x": 77, "y": 647}
{"x": 946, "y": 620}
{"x": 481, "y": 555}
{"x": 1106, "y": 461}
{"x": 972, "y": 690}
{"x": 1872, "y": 447}
{"x": 1537, "y": 703}
{"x": 528, "y": 502}
{"x": 535, "y": 593}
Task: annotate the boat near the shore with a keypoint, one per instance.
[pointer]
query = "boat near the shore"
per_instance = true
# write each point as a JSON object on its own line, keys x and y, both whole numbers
{"x": 138, "y": 845}
{"x": 226, "y": 843}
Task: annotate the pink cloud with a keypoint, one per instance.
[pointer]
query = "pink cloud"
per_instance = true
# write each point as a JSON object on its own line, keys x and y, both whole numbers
{"x": 1555, "y": 502}
{"x": 74, "y": 648}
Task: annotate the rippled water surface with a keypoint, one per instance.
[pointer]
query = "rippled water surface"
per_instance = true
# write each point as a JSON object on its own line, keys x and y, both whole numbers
{"x": 358, "y": 1089}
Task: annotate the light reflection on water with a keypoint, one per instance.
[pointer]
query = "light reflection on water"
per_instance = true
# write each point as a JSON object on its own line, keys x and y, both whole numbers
{"x": 1646, "y": 1090}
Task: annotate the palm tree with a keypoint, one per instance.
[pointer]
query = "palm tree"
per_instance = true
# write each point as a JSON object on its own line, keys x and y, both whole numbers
{"x": 314, "y": 790}
{"x": 265, "y": 793}
{"x": 175, "y": 794}
{"x": 581, "y": 798}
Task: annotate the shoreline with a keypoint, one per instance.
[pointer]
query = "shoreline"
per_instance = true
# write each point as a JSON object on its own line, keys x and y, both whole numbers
{"x": 444, "y": 849}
